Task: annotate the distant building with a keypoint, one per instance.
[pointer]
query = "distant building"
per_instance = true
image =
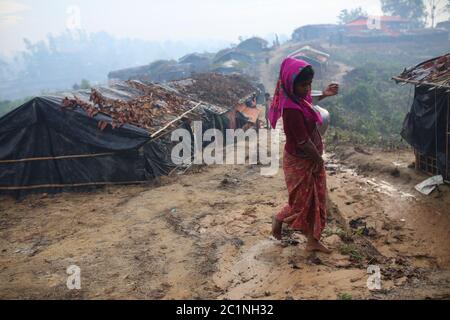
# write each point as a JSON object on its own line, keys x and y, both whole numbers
{"x": 253, "y": 45}
{"x": 387, "y": 24}
{"x": 224, "y": 69}
{"x": 318, "y": 59}
{"x": 231, "y": 54}
{"x": 313, "y": 32}
{"x": 389, "y": 29}
{"x": 231, "y": 61}
{"x": 444, "y": 25}
{"x": 158, "y": 71}
{"x": 196, "y": 61}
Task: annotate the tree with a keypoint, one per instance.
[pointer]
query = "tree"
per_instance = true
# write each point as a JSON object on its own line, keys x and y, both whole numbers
{"x": 85, "y": 85}
{"x": 437, "y": 8}
{"x": 7, "y": 105}
{"x": 414, "y": 10}
{"x": 349, "y": 15}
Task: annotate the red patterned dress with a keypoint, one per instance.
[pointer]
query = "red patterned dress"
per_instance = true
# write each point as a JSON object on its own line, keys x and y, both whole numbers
{"x": 307, "y": 191}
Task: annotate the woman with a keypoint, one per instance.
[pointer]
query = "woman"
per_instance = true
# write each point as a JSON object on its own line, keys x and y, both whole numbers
{"x": 303, "y": 164}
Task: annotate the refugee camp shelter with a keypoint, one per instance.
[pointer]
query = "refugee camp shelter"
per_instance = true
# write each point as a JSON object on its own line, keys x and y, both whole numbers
{"x": 158, "y": 71}
{"x": 318, "y": 59}
{"x": 253, "y": 45}
{"x": 118, "y": 134}
{"x": 252, "y": 114}
{"x": 197, "y": 62}
{"x": 314, "y": 32}
{"x": 427, "y": 125}
{"x": 443, "y": 25}
{"x": 231, "y": 61}
{"x": 232, "y": 55}
{"x": 229, "y": 92}
{"x": 195, "y": 58}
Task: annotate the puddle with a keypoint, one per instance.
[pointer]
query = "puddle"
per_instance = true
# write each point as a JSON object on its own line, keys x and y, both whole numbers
{"x": 388, "y": 189}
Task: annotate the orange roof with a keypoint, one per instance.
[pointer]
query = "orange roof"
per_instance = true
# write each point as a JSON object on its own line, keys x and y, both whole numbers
{"x": 393, "y": 19}
{"x": 363, "y": 20}
{"x": 251, "y": 113}
{"x": 358, "y": 22}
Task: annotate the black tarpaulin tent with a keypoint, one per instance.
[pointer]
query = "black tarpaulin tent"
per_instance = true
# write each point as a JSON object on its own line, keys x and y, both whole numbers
{"x": 427, "y": 125}
{"x": 44, "y": 148}
{"x": 48, "y": 145}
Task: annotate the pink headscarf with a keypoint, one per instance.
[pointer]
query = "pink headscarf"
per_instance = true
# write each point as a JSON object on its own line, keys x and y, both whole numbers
{"x": 284, "y": 97}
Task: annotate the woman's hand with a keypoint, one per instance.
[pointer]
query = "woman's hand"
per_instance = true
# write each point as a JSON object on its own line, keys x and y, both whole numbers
{"x": 331, "y": 90}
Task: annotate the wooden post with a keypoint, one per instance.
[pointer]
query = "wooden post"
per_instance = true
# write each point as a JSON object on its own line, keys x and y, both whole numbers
{"x": 447, "y": 142}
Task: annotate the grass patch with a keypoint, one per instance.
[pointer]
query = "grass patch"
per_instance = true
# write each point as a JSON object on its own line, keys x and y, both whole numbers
{"x": 352, "y": 251}
{"x": 345, "y": 296}
{"x": 330, "y": 231}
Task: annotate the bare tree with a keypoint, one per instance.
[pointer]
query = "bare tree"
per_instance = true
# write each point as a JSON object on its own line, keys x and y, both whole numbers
{"x": 437, "y": 7}
{"x": 415, "y": 10}
{"x": 346, "y": 16}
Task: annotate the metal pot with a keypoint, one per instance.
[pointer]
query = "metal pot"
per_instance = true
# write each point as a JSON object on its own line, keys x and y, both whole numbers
{"x": 324, "y": 113}
{"x": 326, "y": 119}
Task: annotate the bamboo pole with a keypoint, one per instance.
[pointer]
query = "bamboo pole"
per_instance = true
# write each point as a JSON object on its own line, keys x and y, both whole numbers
{"x": 421, "y": 83}
{"x": 75, "y": 185}
{"x": 58, "y": 158}
{"x": 173, "y": 121}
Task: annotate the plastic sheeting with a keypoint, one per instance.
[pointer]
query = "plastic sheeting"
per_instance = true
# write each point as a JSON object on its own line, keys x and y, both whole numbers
{"x": 426, "y": 125}
{"x": 44, "y": 148}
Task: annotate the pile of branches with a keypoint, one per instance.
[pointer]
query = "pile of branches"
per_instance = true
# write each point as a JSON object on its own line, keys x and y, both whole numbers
{"x": 152, "y": 110}
{"x": 222, "y": 90}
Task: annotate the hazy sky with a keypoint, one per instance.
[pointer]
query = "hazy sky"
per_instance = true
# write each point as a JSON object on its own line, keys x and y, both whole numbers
{"x": 188, "y": 20}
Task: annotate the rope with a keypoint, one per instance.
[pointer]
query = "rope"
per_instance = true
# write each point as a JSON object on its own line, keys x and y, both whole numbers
{"x": 80, "y": 156}
{"x": 58, "y": 158}
{"x": 74, "y": 185}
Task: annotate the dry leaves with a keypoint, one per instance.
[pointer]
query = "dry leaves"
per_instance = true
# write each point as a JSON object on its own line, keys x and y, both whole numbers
{"x": 151, "y": 111}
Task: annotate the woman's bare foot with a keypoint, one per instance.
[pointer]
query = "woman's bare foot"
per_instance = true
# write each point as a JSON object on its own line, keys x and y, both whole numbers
{"x": 291, "y": 219}
{"x": 277, "y": 227}
{"x": 316, "y": 246}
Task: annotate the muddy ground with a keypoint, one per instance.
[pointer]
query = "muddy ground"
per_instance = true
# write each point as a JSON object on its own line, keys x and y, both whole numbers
{"x": 206, "y": 235}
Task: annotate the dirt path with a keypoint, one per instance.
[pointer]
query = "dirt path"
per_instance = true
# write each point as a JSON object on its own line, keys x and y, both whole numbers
{"x": 268, "y": 73}
{"x": 374, "y": 192}
{"x": 206, "y": 236}
{"x": 342, "y": 70}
